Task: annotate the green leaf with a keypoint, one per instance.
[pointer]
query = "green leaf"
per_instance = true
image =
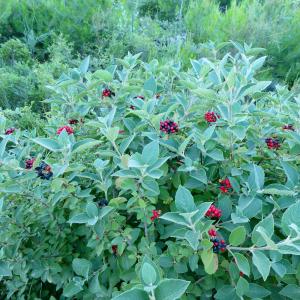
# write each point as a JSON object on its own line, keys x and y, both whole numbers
{"x": 184, "y": 200}
{"x": 149, "y": 266}
{"x": 92, "y": 209}
{"x": 81, "y": 267}
{"x": 201, "y": 211}
{"x": 150, "y": 153}
{"x": 257, "y": 178}
{"x": 291, "y": 216}
{"x": 291, "y": 174}
{"x": 49, "y": 144}
{"x": 226, "y": 293}
{"x": 84, "y": 65}
{"x": 199, "y": 175}
{"x": 210, "y": 261}
{"x": 112, "y": 133}
{"x": 237, "y": 236}
{"x": 183, "y": 145}
{"x": 133, "y": 294}
{"x": 175, "y": 218}
{"x": 4, "y": 269}
{"x": 268, "y": 225}
{"x": 10, "y": 187}
{"x": 79, "y": 219}
{"x": 242, "y": 287}
{"x": 84, "y": 145}
{"x": 239, "y": 131}
{"x": 205, "y": 93}
{"x": 258, "y": 87}
{"x": 216, "y": 154}
{"x": 150, "y": 85}
{"x": 257, "y": 291}
{"x": 3, "y": 145}
{"x": 103, "y": 75}
{"x": 95, "y": 288}
{"x": 148, "y": 274}
{"x": 171, "y": 289}
{"x": 193, "y": 239}
{"x": 151, "y": 186}
{"x": 279, "y": 190}
{"x": 105, "y": 211}
{"x": 242, "y": 263}
{"x": 262, "y": 263}
{"x": 72, "y": 289}
{"x": 291, "y": 291}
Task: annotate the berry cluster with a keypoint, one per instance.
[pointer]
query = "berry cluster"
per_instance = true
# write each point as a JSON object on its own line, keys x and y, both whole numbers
{"x": 29, "y": 163}
{"x": 169, "y": 126}
{"x": 10, "y": 131}
{"x": 212, "y": 232}
{"x": 213, "y": 212}
{"x": 155, "y": 214}
{"x": 273, "y": 143}
{"x": 139, "y": 97}
{"x": 107, "y": 93}
{"x": 44, "y": 171}
{"x": 132, "y": 107}
{"x": 211, "y": 117}
{"x": 68, "y": 129}
{"x": 218, "y": 245}
{"x": 225, "y": 185}
{"x": 102, "y": 202}
{"x": 114, "y": 249}
{"x": 73, "y": 122}
{"x": 288, "y": 127}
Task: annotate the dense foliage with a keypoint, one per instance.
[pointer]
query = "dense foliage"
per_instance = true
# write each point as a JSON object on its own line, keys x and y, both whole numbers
{"x": 48, "y": 35}
{"x": 149, "y": 181}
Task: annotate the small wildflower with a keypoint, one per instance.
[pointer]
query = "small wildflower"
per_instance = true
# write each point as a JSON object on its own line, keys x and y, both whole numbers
{"x": 155, "y": 214}
{"x": 213, "y": 212}
{"x": 68, "y": 129}
{"x": 121, "y": 131}
{"x": 211, "y": 117}
{"x": 132, "y": 107}
{"x": 169, "y": 126}
{"x": 273, "y": 143}
{"x": 29, "y": 163}
{"x": 108, "y": 93}
{"x": 10, "y": 131}
{"x": 225, "y": 185}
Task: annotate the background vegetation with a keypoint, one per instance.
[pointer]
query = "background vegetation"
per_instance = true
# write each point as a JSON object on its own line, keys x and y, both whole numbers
{"x": 40, "y": 39}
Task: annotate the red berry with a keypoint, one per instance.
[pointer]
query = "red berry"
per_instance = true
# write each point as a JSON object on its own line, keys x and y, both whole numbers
{"x": 10, "y": 131}
{"x": 68, "y": 129}
{"x": 212, "y": 232}
{"x": 155, "y": 214}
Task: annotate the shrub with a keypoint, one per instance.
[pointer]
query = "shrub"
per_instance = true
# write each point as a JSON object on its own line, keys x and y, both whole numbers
{"x": 118, "y": 209}
{"x": 14, "y": 51}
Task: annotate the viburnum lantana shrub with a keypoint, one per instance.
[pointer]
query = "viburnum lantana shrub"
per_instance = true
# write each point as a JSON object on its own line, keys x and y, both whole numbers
{"x": 148, "y": 182}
